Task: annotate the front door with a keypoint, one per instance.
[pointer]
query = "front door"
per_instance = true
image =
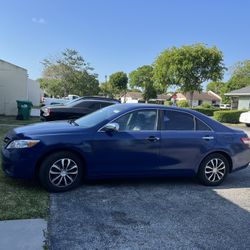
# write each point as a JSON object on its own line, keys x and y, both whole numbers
{"x": 133, "y": 150}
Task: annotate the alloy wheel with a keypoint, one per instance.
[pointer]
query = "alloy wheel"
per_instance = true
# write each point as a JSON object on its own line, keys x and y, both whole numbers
{"x": 63, "y": 172}
{"x": 215, "y": 170}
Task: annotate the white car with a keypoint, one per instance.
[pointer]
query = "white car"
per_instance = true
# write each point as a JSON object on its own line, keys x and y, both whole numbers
{"x": 225, "y": 106}
{"x": 245, "y": 118}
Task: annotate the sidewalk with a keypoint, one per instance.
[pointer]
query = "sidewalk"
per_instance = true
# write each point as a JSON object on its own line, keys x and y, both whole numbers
{"x": 22, "y": 234}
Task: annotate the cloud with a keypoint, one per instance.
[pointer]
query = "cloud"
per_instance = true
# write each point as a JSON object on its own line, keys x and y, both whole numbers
{"x": 38, "y": 20}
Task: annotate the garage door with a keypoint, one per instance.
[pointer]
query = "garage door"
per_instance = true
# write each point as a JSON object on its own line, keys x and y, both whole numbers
{"x": 1, "y": 100}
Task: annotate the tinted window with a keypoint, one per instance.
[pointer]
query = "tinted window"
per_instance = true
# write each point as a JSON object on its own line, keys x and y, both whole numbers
{"x": 105, "y": 104}
{"x": 89, "y": 105}
{"x": 175, "y": 120}
{"x": 201, "y": 125}
{"x": 138, "y": 120}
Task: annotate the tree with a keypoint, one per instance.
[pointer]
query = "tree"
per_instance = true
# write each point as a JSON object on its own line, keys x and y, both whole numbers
{"x": 240, "y": 77}
{"x": 142, "y": 78}
{"x": 107, "y": 90}
{"x": 188, "y": 67}
{"x": 118, "y": 82}
{"x": 217, "y": 87}
{"x": 69, "y": 74}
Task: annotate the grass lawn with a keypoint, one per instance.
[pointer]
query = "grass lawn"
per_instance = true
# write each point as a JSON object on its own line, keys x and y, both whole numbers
{"x": 20, "y": 199}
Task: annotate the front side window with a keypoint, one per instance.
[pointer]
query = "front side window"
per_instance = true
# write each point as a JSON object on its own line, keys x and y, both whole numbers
{"x": 138, "y": 121}
{"x": 175, "y": 120}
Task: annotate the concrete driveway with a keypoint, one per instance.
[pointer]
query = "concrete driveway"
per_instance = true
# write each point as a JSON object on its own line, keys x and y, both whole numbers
{"x": 153, "y": 214}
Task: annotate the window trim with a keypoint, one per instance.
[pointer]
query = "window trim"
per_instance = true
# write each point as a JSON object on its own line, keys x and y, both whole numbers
{"x": 135, "y": 131}
{"x": 194, "y": 120}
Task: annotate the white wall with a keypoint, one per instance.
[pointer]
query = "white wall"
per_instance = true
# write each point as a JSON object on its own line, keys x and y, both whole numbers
{"x": 13, "y": 86}
{"x": 34, "y": 92}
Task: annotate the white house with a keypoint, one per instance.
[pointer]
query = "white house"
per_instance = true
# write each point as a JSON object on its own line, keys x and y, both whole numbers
{"x": 199, "y": 98}
{"x": 15, "y": 85}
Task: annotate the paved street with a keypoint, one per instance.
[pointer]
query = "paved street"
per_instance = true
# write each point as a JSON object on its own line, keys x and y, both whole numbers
{"x": 153, "y": 214}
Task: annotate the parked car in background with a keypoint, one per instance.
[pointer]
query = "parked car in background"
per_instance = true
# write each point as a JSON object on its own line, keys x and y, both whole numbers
{"x": 76, "y": 108}
{"x": 245, "y": 118}
{"x": 225, "y": 106}
{"x": 55, "y": 101}
{"x": 125, "y": 140}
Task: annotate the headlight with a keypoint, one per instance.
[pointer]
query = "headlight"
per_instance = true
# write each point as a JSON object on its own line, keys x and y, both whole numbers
{"x": 46, "y": 111}
{"x": 22, "y": 144}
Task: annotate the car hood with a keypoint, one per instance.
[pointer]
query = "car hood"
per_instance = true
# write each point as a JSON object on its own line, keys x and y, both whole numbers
{"x": 48, "y": 128}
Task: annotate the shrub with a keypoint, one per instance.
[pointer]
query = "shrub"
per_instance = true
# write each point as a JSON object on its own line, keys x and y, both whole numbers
{"x": 228, "y": 116}
{"x": 168, "y": 103}
{"x": 182, "y": 104}
{"x": 206, "y": 111}
{"x": 206, "y": 105}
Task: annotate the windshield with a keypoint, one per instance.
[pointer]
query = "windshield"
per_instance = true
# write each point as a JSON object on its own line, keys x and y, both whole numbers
{"x": 94, "y": 118}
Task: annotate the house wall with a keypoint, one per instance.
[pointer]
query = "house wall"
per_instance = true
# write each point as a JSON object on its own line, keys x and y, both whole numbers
{"x": 34, "y": 92}
{"x": 13, "y": 86}
{"x": 244, "y": 102}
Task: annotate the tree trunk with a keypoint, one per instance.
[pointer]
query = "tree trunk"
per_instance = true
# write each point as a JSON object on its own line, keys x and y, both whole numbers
{"x": 191, "y": 98}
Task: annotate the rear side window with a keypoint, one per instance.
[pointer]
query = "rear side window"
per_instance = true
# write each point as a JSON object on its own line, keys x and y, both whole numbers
{"x": 90, "y": 105}
{"x": 201, "y": 126}
{"x": 175, "y": 120}
{"x": 105, "y": 104}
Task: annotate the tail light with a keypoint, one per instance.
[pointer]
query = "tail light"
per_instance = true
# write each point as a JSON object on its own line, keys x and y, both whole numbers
{"x": 246, "y": 141}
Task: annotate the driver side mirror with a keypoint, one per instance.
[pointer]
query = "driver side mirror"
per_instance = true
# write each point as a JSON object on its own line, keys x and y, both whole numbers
{"x": 111, "y": 127}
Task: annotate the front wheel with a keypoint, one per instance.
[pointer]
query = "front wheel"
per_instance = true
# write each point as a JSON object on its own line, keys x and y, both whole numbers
{"x": 61, "y": 171}
{"x": 213, "y": 170}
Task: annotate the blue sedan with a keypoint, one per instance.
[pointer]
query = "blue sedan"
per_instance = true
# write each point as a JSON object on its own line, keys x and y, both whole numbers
{"x": 125, "y": 140}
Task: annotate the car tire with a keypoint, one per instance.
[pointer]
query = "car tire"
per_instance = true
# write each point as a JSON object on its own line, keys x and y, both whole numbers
{"x": 213, "y": 170}
{"x": 61, "y": 171}
{"x": 248, "y": 124}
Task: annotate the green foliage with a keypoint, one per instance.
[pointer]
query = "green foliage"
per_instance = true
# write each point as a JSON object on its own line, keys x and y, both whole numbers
{"x": 206, "y": 111}
{"x": 206, "y": 105}
{"x": 107, "y": 90}
{"x": 182, "y": 104}
{"x": 69, "y": 74}
{"x": 240, "y": 78}
{"x": 228, "y": 116}
{"x": 188, "y": 67}
{"x": 142, "y": 78}
{"x": 118, "y": 82}
{"x": 217, "y": 87}
{"x": 168, "y": 103}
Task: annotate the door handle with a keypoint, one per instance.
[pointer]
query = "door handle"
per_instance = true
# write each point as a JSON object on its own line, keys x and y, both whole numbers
{"x": 208, "y": 138}
{"x": 153, "y": 138}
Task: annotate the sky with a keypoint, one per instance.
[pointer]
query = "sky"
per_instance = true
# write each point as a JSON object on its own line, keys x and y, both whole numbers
{"x": 116, "y": 35}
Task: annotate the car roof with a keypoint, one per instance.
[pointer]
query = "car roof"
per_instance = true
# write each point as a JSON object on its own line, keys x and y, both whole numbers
{"x": 100, "y": 98}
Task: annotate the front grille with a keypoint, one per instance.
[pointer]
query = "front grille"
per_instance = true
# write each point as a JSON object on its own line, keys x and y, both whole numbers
{"x": 6, "y": 141}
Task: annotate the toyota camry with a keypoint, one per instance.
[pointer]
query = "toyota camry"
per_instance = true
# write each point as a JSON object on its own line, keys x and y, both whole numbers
{"x": 125, "y": 140}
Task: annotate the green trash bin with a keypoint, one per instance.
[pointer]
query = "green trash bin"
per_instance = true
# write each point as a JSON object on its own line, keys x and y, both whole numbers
{"x": 24, "y": 109}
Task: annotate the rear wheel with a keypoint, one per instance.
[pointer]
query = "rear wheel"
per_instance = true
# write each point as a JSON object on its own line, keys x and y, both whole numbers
{"x": 61, "y": 171}
{"x": 213, "y": 169}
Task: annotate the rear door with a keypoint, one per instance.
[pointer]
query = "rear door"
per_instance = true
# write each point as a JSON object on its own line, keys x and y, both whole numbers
{"x": 184, "y": 141}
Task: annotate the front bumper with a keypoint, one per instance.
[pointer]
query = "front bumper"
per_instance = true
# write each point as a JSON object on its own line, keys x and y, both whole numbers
{"x": 18, "y": 163}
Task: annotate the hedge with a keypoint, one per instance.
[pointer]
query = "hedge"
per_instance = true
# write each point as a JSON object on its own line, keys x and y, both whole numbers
{"x": 206, "y": 111}
{"x": 228, "y": 116}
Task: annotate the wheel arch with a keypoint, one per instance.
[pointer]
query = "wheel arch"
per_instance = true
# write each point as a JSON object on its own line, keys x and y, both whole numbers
{"x": 46, "y": 154}
{"x": 225, "y": 154}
